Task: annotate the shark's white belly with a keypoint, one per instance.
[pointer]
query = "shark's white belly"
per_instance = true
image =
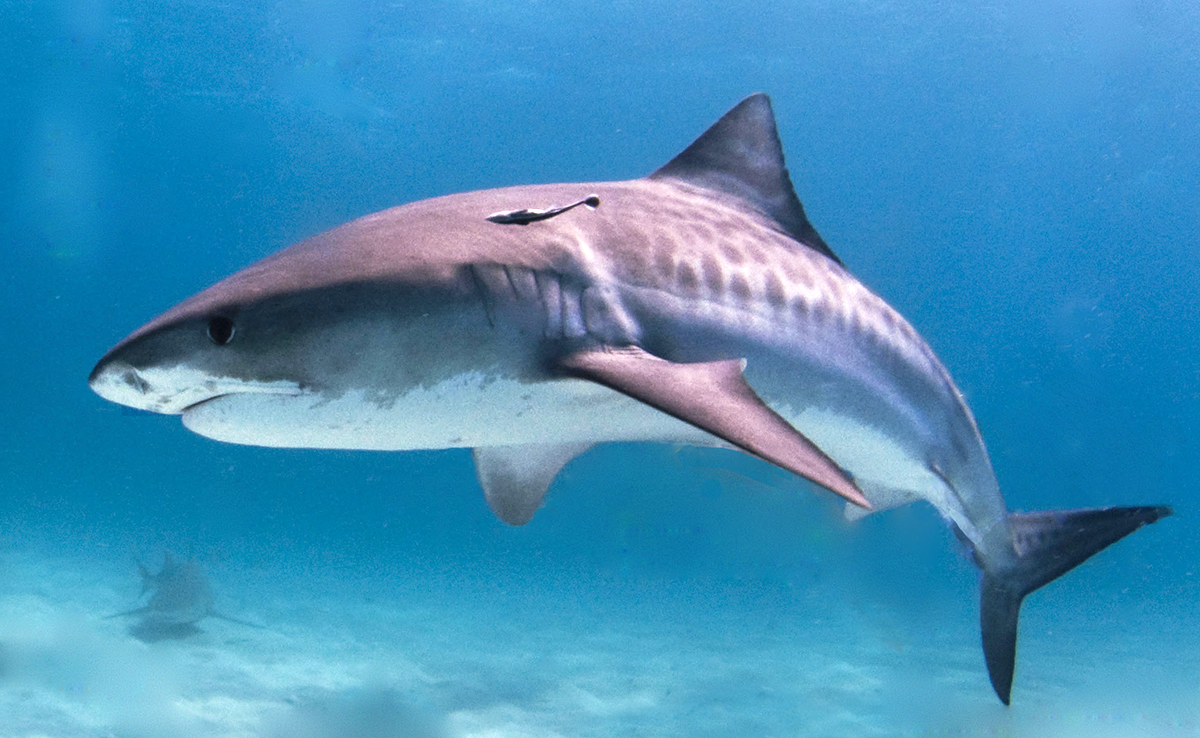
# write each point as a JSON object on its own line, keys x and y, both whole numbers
{"x": 868, "y": 453}
{"x": 885, "y": 471}
{"x": 470, "y": 410}
{"x": 480, "y": 410}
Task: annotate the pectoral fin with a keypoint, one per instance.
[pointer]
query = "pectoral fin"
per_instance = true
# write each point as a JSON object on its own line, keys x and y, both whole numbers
{"x": 714, "y": 397}
{"x": 236, "y": 621}
{"x": 137, "y": 611}
{"x": 515, "y": 478}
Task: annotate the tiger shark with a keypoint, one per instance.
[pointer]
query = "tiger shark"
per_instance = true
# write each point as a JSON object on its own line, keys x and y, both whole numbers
{"x": 180, "y": 597}
{"x": 697, "y": 305}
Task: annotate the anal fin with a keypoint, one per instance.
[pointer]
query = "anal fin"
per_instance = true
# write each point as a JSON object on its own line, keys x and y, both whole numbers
{"x": 714, "y": 397}
{"x": 515, "y": 478}
{"x": 882, "y": 497}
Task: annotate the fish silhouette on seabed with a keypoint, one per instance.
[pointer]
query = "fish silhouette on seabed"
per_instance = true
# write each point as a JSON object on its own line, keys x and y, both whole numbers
{"x": 697, "y": 305}
{"x": 180, "y": 597}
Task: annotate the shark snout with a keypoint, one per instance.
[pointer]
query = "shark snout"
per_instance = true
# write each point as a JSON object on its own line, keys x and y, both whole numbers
{"x": 121, "y": 382}
{"x": 172, "y": 388}
{"x": 151, "y": 389}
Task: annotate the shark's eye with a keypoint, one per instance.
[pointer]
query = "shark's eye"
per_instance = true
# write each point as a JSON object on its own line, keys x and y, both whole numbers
{"x": 220, "y": 330}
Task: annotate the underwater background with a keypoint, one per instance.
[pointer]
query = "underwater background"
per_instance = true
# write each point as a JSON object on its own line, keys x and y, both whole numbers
{"x": 1020, "y": 179}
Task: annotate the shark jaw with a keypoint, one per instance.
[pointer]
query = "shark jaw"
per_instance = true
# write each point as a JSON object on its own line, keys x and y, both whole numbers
{"x": 470, "y": 410}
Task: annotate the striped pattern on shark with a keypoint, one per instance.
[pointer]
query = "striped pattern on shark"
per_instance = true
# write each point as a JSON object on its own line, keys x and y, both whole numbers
{"x": 696, "y": 305}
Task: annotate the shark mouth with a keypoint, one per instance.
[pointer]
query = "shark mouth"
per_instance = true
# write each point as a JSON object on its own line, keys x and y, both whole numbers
{"x": 238, "y": 390}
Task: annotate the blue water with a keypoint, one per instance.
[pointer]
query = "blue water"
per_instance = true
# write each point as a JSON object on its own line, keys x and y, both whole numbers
{"x": 1021, "y": 180}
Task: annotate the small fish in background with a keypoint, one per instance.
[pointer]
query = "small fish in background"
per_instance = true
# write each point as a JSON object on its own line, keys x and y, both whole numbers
{"x": 181, "y": 596}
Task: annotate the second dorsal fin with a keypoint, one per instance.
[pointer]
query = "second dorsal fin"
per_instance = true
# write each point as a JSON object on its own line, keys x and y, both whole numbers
{"x": 740, "y": 155}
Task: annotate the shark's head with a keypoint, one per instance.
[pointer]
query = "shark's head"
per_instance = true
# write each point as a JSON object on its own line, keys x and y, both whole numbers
{"x": 200, "y": 350}
{"x": 286, "y": 325}
{"x": 258, "y": 357}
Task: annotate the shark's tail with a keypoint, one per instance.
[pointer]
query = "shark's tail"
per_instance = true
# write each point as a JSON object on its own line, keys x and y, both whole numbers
{"x": 1048, "y": 545}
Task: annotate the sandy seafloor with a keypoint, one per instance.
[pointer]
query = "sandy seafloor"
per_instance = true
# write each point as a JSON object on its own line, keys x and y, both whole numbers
{"x": 368, "y": 649}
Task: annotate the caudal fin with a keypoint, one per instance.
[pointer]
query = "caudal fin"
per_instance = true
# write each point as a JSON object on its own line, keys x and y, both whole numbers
{"x": 1048, "y": 544}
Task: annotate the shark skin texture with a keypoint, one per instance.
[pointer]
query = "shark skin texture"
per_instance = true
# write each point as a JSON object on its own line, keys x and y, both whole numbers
{"x": 697, "y": 305}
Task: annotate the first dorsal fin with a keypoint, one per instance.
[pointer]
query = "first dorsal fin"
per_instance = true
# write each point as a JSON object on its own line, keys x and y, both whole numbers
{"x": 741, "y": 156}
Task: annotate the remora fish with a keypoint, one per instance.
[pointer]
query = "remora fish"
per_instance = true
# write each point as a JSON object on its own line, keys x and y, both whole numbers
{"x": 697, "y": 305}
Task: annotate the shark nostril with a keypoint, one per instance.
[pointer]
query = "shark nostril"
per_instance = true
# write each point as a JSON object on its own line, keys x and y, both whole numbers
{"x": 134, "y": 380}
